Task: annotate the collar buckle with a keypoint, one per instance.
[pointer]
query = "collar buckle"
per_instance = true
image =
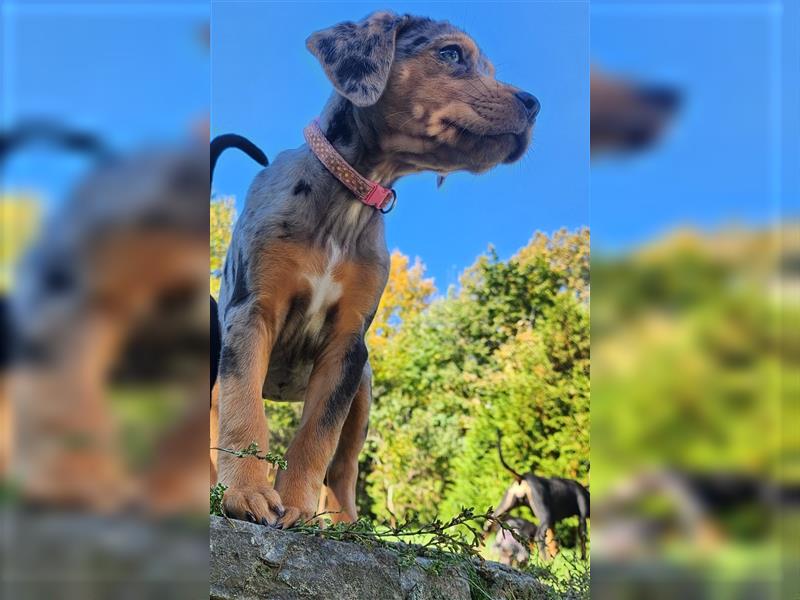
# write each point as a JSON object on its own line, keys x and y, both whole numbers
{"x": 387, "y": 209}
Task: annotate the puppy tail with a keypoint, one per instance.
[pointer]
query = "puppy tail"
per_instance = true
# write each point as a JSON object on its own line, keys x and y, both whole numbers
{"x": 516, "y": 475}
{"x": 55, "y": 134}
{"x": 231, "y": 140}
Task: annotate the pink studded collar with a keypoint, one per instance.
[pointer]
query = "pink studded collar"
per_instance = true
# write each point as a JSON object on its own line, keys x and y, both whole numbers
{"x": 369, "y": 192}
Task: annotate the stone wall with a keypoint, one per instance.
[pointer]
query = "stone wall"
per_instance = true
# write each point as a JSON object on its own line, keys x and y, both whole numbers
{"x": 250, "y": 562}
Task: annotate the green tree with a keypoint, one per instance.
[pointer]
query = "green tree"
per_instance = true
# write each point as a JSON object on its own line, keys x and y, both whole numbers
{"x": 538, "y": 398}
{"x": 223, "y": 216}
{"x": 20, "y": 217}
{"x": 440, "y": 383}
{"x": 688, "y": 351}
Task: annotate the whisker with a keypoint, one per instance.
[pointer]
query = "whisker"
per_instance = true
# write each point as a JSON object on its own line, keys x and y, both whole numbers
{"x": 399, "y": 112}
{"x": 476, "y": 98}
{"x": 463, "y": 101}
{"x": 486, "y": 87}
{"x": 408, "y": 120}
{"x": 474, "y": 87}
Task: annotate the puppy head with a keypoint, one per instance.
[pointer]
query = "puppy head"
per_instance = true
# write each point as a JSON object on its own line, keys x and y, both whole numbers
{"x": 628, "y": 116}
{"x": 428, "y": 91}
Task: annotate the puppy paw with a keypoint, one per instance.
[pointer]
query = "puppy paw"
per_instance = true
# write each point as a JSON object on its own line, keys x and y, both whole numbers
{"x": 342, "y": 517}
{"x": 257, "y": 504}
{"x": 300, "y": 500}
{"x": 294, "y": 516}
{"x": 87, "y": 481}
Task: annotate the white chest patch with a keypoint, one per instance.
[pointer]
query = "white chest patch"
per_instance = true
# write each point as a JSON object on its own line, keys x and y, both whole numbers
{"x": 519, "y": 488}
{"x": 325, "y": 291}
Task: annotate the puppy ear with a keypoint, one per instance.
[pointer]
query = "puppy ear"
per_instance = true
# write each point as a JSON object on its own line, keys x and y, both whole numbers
{"x": 357, "y": 57}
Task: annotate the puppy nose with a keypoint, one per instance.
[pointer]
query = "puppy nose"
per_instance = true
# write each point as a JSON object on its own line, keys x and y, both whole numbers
{"x": 661, "y": 98}
{"x": 530, "y": 102}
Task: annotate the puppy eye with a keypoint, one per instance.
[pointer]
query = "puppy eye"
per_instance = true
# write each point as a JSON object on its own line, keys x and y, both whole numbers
{"x": 451, "y": 54}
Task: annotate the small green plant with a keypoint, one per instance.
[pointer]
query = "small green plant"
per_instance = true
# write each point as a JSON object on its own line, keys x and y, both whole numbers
{"x": 217, "y": 492}
{"x": 566, "y": 575}
{"x": 455, "y": 543}
{"x": 273, "y": 458}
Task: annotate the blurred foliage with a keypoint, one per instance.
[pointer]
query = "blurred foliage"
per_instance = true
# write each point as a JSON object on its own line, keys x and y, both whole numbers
{"x": 20, "y": 217}
{"x": 223, "y": 216}
{"x": 688, "y": 352}
{"x": 143, "y": 415}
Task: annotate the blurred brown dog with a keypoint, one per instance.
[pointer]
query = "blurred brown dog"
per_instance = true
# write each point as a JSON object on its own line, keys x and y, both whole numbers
{"x": 113, "y": 287}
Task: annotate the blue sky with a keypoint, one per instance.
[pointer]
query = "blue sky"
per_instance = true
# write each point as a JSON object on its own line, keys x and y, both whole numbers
{"x": 267, "y": 86}
{"x": 138, "y": 73}
{"x": 731, "y": 157}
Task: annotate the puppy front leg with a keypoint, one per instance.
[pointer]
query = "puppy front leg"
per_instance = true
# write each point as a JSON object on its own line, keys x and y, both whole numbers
{"x": 343, "y": 470}
{"x": 244, "y": 360}
{"x": 331, "y": 389}
{"x": 67, "y": 448}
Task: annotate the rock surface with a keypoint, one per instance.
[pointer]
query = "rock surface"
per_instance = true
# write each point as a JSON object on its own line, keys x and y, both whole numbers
{"x": 250, "y": 562}
{"x": 72, "y": 556}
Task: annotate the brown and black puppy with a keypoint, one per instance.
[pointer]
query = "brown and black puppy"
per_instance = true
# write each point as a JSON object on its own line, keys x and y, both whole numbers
{"x": 550, "y": 499}
{"x": 308, "y": 261}
{"x": 110, "y": 291}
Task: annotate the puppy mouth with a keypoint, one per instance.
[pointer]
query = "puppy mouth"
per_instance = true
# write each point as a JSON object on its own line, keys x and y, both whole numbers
{"x": 521, "y": 141}
{"x": 492, "y": 131}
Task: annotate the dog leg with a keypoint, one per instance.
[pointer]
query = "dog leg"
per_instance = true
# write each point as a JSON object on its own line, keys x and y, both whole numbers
{"x": 508, "y": 502}
{"x": 550, "y": 541}
{"x": 6, "y": 429}
{"x": 331, "y": 389}
{"x": 243, "y": 366}
{"x": 175, "y": 483}
{"x": 582, "y": 536}
{"x": 540, "y": 537}
{"x": 67, "y": 450}
{"x": 546, "y": 540}
{"x": 343, "y": 470}
{"x": 213, "y": 433}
